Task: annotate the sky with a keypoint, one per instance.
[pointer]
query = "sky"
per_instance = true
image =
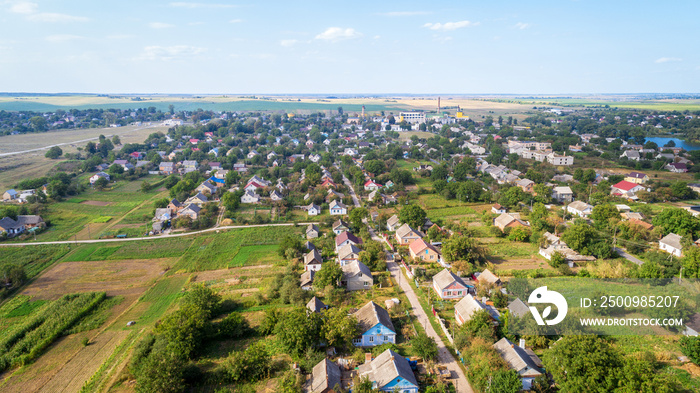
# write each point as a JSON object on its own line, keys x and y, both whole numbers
{"x": 350, "y": 47}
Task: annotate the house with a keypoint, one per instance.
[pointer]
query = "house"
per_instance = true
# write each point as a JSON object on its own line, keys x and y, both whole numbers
{"x": 333, "y": 194}
{"x": 250, "y": 197}
{"x": 506, "y": 220}
{"x": 175, "y": 206}
{"x": 631, "y": 155}
{"x": 338, "y": 208}
{"x": 191, "y": 211}
{"x": 420, "y": 249}
{"x": 316, "y": 305}
{"x": 389, "y": 372}
{"x": 553, "y": 244}
{"x": 306, "y": 281}
{"x": 313, "y": 209}
{"x": 371, "y": 185}
{"x": 526, "y": 185}
{"x": 206, "y": 188}
{"x": 636, "y": 178}
{"x": 465, "y": 309}
{"x": 671, "y": 243}
{"x": 325, "y": 376}
{"x": 393, "y": 223}
{"x": 312, "y": 231}
{"x": 252, "y": 154}
{"x": 406, "y": 235}
{"x": 340, "y": 226}
{"x": 563, "y": 178}
{"x": 376, "y": 327}
{"x": 562, "y": 194}
{"x": 695, "y": 187}
{"x": 579, "y": 208}
{"x": 626, "y": 189}
{"x": 10, "y": 227}
{"x": 313, "y": 260}
{"x": 346, "y": 238}
{"x": 124, "y": 164}
{"x": 198, "y": 199}
{"x": 275, "y": 196}
{"x": 498, "y": 209}
{"x": 348, "y": 254}
{"x": 692, "y": 327}
{"x": 190, "y": 166}
{"x": 328, "y": 183}
{"x": 488, "y": 277}
{"x": 449, "y": 285}
{"x": 677, "y": 167}
{"x": 166, "y": 167}
{"x": 522, "y": 360}
{"x": 356, "y": 276}
{"x": 93, "y": 178}
{"x": 518, "y": 308}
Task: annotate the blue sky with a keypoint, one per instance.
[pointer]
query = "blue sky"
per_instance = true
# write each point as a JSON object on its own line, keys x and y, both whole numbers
{"x": 287, "y": 47}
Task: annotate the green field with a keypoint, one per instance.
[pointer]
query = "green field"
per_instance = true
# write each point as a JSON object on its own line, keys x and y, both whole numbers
{"x": 34, "y": 259}
{"x": 640, "y": 104}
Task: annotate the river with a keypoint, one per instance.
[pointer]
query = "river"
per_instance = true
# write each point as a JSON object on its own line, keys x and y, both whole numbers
{"x": 661, "y": 141}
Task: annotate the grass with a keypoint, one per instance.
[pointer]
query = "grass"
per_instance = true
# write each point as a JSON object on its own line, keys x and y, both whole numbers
{"x": 160, "y": 297}
{"x": 34, "y": 259}
{"x": 217, "y": 251}
{"x": 91, "y": 252}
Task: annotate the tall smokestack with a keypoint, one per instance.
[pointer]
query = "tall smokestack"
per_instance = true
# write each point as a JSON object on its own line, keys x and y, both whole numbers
{"x": 438, "y": 105}
{"x": 363, "y": 111}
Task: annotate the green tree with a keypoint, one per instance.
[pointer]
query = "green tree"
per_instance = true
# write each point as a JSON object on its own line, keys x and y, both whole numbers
{"x": 678, "y": 221}
{"x": 506, "y": 381}
{"x": 519, "y": 234}
{"x": 203, "y": 298}
{"x": 414, "y": 215}
{"x": 690, "y": 346}
{"x": 253, "y": 364}
{"x": 339, "y": 328}
{"x": 162, "y": 372}
{"x": 54, "y": 152}
{"x": 462, "y": 248}
{"x": 605, "y": 215}
{"x": 184, "y": 330}
{"x": 233, "y": 326}
{"x": 101, "y": 183}
{"x": 290, "y": 242}
{"x": 330, "y": 274}
{"x": 583, "y": 364}
{"x": 116, "y": 140}
{"x": 356, "y": 216}
{"x": 579, "y": 237}
{"x": 691, "y": 262}
{"x": 424, "y": 346}
{"x": 298, "y": 331}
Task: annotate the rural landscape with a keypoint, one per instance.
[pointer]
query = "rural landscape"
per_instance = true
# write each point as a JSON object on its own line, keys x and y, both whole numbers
{"x": 323, "y": 197}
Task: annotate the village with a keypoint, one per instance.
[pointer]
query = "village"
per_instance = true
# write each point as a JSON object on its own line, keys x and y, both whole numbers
{"x": 458, "y": 210}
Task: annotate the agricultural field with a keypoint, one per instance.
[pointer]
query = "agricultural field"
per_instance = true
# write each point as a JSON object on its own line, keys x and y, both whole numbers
{"x": 639, "y": 104}
{"x": 33, "y": 164}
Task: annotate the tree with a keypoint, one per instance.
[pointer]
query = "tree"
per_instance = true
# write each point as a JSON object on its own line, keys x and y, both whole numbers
{"x": 184, "y": 330}
{"x": 162, "y": 371}
{"x": 519, "y": 234}
{"x": 356, "y": 216}
{"x": 424, "y": 346}
{"x": 101, "y": 183}
{"x": 439, "y": 172}
{"x": 464, "y": 169}
{"x": 680, "y": 190}
{"x": 253, "y": 364}
{"x": 462, "y": 248}
{"x": 233, "y": 326}
{"x": 678, "y": 221}
{"x": 506, "y": 381}
{"x": 603, "y": 214}
{"x": 116, "y": 140}
{"x": 691, "y": 262}
{"x": 203, "y": 298}
{"x": 338, "y": 328}
{"x": 54, "y": 153}
{"x": 579, "y": 237}
{"x": 330, "y": 274}
{"x": 414, "y": 215}
{"x": 298, "y": 331}
{"x": 583, "y": 363}
{"x": 290, "y": 242}
{"x": 690, "y": 346}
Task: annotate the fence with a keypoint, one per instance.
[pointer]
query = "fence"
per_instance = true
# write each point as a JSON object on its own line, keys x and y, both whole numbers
{"x": 444, "y": 329}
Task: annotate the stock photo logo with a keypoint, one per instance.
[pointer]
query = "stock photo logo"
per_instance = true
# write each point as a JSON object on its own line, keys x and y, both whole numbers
{"x": 543, "y": 296}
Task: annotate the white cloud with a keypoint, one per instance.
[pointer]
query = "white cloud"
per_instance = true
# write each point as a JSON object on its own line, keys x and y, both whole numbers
{"x": 160, "y": 25}
{"x": 182, "y": 4}
{"x": 235, "y": 21}
{"x": 449, "y": 26}
{"x": 167, "y": 53}
{"x": 667, "y": 60}
{"x": 289, "y": 43}
{"x": 405, "y": 13}
{"x": 55, "y": 17}
{"x": 522, "y": 25}
{"x": 24, "y": 7}
{"x": 57, "y": 38}
{"x": 30, "y": 10}
{"x": 335, "y": 34}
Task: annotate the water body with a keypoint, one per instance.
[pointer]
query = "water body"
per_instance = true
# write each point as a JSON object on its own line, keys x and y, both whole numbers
{"x": 679, "y": 142}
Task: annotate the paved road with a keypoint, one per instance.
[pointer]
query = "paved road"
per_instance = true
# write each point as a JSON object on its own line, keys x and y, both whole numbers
{"x": 444, "y": 356}
{"x": 131, "y": 239}
{"x": 627, "y": 256}
{"x": 355, "y": 199}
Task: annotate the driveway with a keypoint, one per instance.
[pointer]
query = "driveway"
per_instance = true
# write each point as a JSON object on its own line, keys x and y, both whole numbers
{"x": 444, "y": 356}
{"x": 355, "y": 200}
{"x": 628, "y": 256}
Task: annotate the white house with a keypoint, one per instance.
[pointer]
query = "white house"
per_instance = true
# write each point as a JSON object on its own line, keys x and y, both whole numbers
{"x": 563, "y": 194}
{"x": 250, "y": 197}
{"x": 671, "y": 243}
{"x": 313, "y": 209}
{"x": 579, "y": 208}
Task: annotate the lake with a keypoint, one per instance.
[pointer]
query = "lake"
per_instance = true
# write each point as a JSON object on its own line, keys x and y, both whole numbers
{"x": 679, "y": 142}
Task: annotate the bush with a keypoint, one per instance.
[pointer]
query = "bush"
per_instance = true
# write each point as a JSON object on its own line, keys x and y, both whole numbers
{"x": 253, "y": 364}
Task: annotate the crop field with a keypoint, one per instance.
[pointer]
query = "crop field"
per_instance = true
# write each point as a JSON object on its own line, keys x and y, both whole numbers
{"x": 116, "y": 278}
{"x": 34, "y": 259}
{"x": 216, "y": 251}
{"x": 640, "y": 104}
